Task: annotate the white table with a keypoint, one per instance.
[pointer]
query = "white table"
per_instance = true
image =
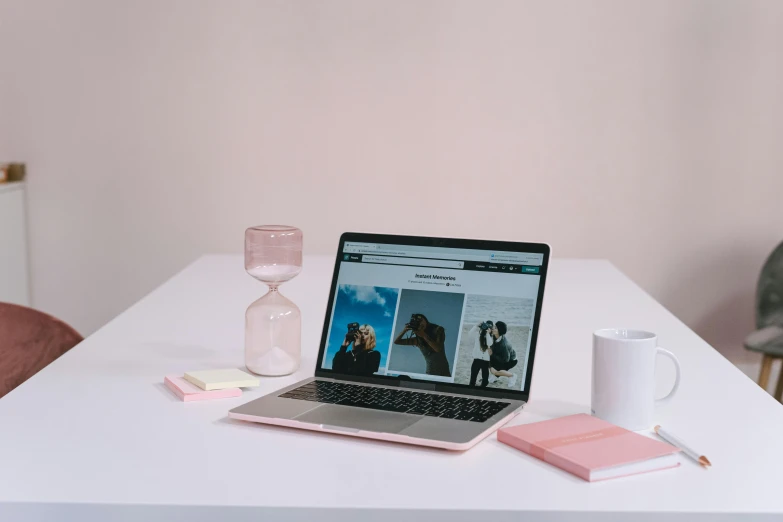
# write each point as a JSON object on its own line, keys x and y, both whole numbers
{"x": 96, "y": 436}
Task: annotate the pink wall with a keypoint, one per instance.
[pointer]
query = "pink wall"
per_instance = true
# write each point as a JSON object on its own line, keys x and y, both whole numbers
{"x": 648, "y": 133}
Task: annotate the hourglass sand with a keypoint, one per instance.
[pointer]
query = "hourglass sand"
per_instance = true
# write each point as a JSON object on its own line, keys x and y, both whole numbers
{"x": 273, "y": 324}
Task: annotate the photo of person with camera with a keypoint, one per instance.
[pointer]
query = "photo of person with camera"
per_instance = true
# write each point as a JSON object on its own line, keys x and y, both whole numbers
{"x": 424, "y": 341}
{"x": 481, "y": 352}
{"x": 368, "y": 312}
{"x": 430, "y": 339}
{"x": 363, "y": 358}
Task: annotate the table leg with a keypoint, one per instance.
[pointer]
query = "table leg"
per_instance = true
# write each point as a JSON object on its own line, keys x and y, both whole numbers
{"x": 766, "y": 366}
{"x": 779, "y": 387}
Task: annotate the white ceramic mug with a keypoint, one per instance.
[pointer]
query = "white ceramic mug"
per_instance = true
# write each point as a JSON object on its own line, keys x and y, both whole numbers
{"x": 624, "y": 377}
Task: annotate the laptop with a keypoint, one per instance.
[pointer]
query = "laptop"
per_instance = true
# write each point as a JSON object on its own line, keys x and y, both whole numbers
{"x": 426, "y": 341}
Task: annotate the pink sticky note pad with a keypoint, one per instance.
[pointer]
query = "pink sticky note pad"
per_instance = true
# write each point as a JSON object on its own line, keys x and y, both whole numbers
{"x": 188, "y": 392}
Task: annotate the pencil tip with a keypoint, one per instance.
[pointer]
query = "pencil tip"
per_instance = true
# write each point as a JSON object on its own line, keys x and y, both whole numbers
{"x": 656, "y": 428}
{"x": 704, "y": 461}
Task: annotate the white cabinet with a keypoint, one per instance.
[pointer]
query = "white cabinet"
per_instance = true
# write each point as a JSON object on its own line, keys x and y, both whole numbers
{"x": 14, "y": 278}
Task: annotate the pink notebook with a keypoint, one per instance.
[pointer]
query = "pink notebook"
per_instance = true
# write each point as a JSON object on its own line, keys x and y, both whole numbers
{"x": 189, "y": 392}
{"x": 590, "y": 448}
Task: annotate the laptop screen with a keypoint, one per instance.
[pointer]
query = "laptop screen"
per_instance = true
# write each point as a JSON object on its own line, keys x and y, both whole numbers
{"x": 430, "y": 313}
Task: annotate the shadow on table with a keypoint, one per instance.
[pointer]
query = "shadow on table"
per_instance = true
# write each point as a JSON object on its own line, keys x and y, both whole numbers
{"x": 165, "y": 391}
{"x": 335, "y": 437}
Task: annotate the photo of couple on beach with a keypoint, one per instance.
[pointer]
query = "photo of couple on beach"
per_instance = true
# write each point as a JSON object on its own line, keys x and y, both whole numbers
{"x": 494, "y": 341}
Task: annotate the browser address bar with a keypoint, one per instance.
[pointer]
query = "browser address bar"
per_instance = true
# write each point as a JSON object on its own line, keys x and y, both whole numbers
{"x": 437, "y": 263}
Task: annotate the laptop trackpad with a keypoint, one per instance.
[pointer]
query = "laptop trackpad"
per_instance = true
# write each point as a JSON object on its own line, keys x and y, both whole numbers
{"x": 359, "y": 418}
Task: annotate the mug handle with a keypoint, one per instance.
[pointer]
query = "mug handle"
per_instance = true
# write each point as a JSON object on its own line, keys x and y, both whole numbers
{"x": 676, "y": 386}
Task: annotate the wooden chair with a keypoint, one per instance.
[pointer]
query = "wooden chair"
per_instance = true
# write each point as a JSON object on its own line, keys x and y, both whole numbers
{"x": 29, "y": 340}
{"x": 768, "y": 338}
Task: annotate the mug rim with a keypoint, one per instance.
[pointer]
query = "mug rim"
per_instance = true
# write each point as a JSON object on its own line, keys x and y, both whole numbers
{"x": 604, "y": 333}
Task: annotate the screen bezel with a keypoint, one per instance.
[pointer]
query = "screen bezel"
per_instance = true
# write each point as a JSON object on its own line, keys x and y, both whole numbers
{"x": 465, "y": 389}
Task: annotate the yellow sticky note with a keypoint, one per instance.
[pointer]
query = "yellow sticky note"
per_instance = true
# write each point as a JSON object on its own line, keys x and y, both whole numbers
{"x": 221, "y": 379}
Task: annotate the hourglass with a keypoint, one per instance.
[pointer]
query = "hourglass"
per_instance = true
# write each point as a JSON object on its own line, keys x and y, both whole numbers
{"x": 273, "y": 324}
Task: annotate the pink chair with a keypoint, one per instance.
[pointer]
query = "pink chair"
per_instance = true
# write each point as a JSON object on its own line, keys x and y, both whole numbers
{"x": 29, "y": 341}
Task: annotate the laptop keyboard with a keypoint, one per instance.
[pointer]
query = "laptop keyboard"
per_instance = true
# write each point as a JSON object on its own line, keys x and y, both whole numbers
{"x": 402, "y": 401}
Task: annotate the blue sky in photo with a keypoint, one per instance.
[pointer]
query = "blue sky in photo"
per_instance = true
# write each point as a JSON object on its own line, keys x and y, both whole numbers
{"x": 373, "y": 305}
